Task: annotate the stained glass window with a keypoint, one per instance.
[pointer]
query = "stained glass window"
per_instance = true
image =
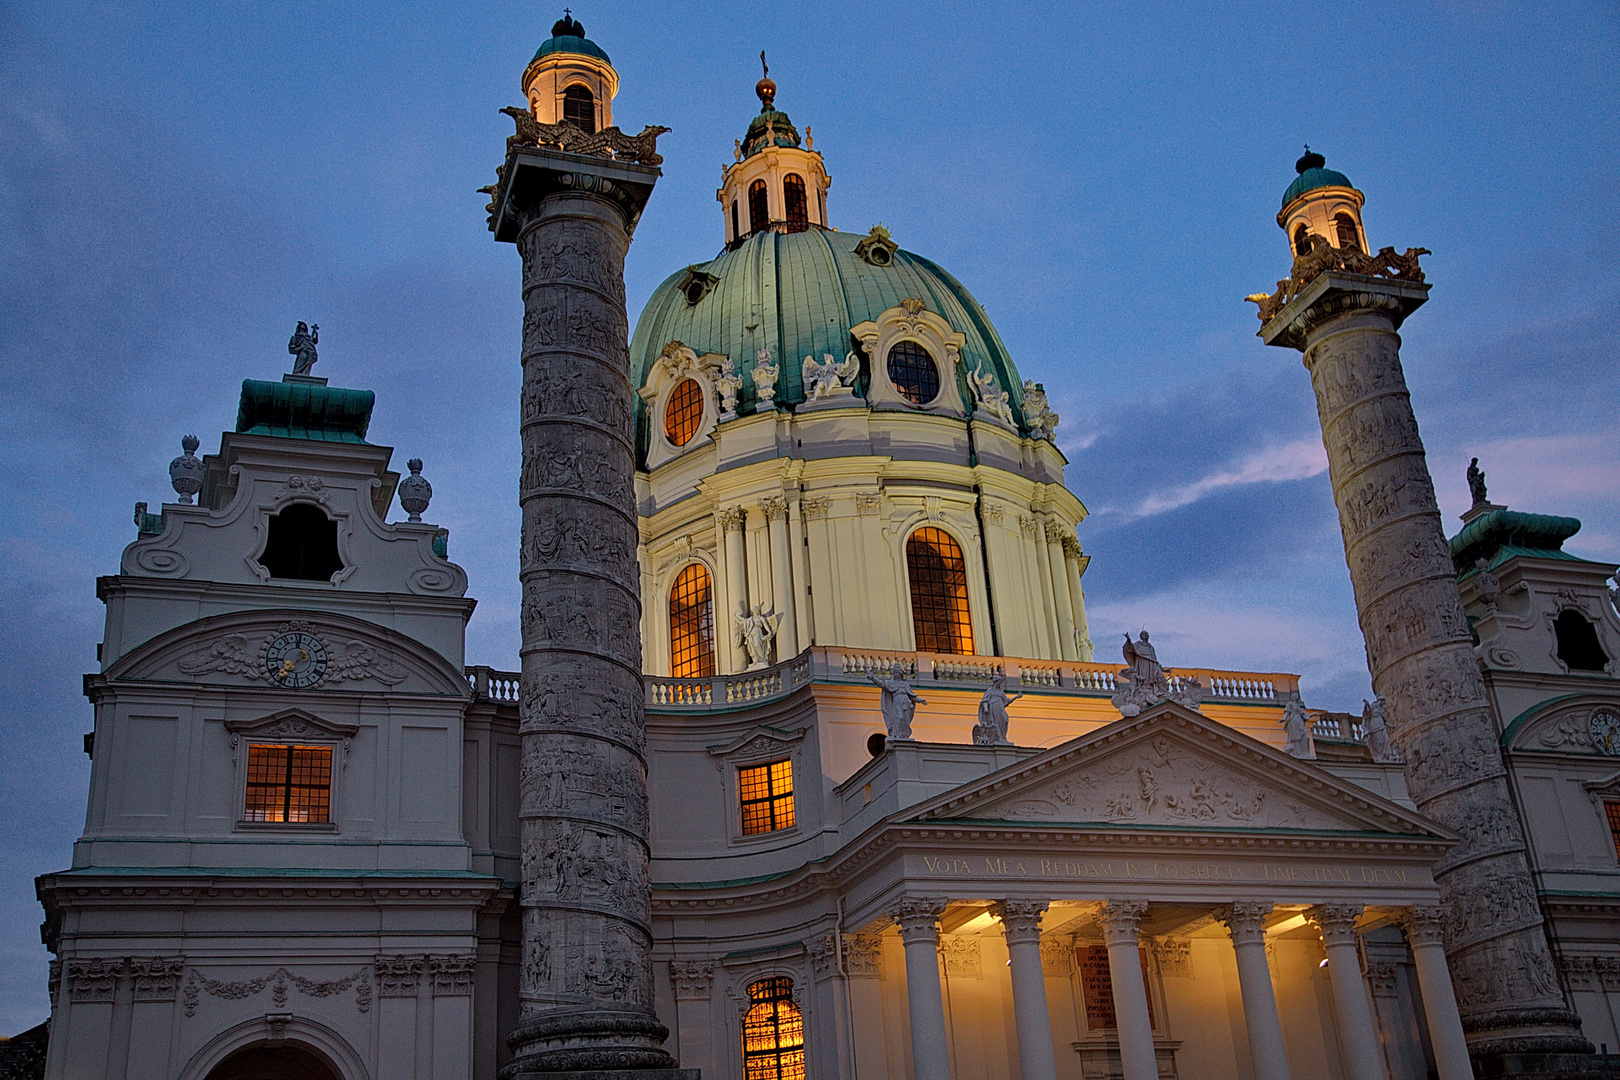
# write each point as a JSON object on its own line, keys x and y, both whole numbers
{"x": 913, "y": 372}
{"x": 691, "y": 625}
{"x": 579, "y": 109}
{"x": 798, "y": 210}
{"x": 939, "y": 600}
{"x": 289, "y": 784}
{"x": 683, "y": 412}
{"x": 767, "y": 797}
{"x": 759, "y": 207}
{"x": 773, "y": 1032}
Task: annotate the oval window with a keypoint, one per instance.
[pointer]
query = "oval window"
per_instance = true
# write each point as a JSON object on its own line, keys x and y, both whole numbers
{"x": 683, "y": 413}
{"x": 913, "y": 372}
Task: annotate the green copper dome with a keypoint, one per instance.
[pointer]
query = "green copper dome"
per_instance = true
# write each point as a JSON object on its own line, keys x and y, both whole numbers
{"x": 1313, "y": 175}
{"x": 798, "y": 295}
{"x": 568, "y": 36}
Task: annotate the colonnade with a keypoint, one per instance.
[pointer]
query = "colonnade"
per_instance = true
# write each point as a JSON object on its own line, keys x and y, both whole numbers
{"x": 918, "y": 921}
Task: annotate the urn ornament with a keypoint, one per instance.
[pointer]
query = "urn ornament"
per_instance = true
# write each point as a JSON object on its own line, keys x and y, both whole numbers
{"x": 186, "y": 471}
{"x": 414, "y": 492}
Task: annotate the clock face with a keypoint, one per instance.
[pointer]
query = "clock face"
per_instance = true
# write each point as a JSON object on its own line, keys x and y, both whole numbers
{"x": 295, "y": 660}
{"x": 1606, "y": 732}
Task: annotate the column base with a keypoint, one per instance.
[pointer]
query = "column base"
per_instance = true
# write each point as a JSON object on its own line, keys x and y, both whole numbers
{"x": 596, "y": 1044}
{"x": 1542, "y": 1066}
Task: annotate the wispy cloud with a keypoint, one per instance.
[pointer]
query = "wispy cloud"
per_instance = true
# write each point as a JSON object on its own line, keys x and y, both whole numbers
{"x": 1296, "y": 460}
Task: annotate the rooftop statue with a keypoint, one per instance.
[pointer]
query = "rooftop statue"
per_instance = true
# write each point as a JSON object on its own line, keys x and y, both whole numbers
{"x": 829, "y": 377}
{"x": 302, "y": 345}
{"x": 765, "y": 374}
{"x": 1476, "y": 481}
{"x": 1145, "y": 683}
{"x": 754, "y": 631}
{"x": 1297, "y": 726}
{"x": 990, "y": 397}
{"x": 900, "y": 702}
{"x": 1374, "y": 732}
{"x": 728, "y": 383}
{"x": 1042, "y": 420}
{"x": 991, "y": 730}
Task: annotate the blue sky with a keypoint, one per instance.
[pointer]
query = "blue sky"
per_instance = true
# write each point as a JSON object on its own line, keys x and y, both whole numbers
{"x": 180, "y": 183}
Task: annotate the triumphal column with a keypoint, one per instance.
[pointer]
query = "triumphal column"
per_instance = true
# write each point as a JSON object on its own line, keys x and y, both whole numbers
{"x": 1341, "y": 307}
{"x": 569, "y": 195}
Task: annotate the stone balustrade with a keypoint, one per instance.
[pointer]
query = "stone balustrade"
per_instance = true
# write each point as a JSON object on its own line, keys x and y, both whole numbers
{"x": 822, "y": 663}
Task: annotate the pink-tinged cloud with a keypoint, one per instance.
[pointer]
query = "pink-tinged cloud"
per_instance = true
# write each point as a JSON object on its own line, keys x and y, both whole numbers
{"x": 1297, "y": 460}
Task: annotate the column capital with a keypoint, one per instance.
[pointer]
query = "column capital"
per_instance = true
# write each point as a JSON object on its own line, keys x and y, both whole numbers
{"x": 1337, "y": 922}
{"x": 1335, "y": 293}
{"x": 1245, "y": 920}
{"x": 1120, "y": 918}
{"x": 732, "y": 519}
{"x": 532, "y": 173}
{"x": 1020, "y": 919}
{"x": 1424, "y": 924}
{"x": 918, "y": 917}
{"x": 774, "y": 507}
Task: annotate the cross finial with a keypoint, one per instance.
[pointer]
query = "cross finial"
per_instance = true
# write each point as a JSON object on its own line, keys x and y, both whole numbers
{"x": 1307, "y": 148}
{"x": 568, "y": 11}
{"x": 763, "y": 64}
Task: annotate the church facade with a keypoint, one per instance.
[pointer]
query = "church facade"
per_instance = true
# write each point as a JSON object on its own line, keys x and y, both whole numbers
{"x": 902, "y": 822}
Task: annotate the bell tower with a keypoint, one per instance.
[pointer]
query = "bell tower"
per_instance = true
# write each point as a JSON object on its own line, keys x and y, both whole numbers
{"x": 1321, "y": 202}
{"x": 571, "y": 78}
{"x": 775, "y": 183}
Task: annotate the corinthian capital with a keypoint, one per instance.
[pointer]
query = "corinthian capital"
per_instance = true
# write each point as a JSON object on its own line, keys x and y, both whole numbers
{"x": 918, "y": 918}
{"x": 774, "y": 507}
{"x": 1020, "y": 919}
{"x": 1246, "y": 921}
{"x": 732, "y": 519}
{"x": 1337, "y": 922}
{"x": 1120, "y": 918}
{"x": 1425, "y": 924}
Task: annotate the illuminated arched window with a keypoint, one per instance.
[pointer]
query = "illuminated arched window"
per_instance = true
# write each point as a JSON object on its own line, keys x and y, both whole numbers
{"x": 939, "y": 600}
{"x": 691, "y": 625}
{"x": 773, "y": 1032}
{"x": 798, "y": 210}
{"x": 736, "y": 225}
{"x": 1345, "y": 226}
{"x": 1302, "y": 241}
{"x": 759, "y": 207}
{"x": 683, "y": 412}
{"x": 579, "y": 108}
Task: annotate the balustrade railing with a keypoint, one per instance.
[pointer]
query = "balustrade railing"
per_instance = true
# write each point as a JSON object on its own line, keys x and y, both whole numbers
{"x": 831, "y": 664}
{"x": 1342, "y": 726}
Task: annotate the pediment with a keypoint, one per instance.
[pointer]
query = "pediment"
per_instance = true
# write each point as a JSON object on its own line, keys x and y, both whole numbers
{"x": 291, "y": 724}
{"x": 1173, "y": 768}
{"x": 756, "y": 743}
{"x": 236, "y": 649}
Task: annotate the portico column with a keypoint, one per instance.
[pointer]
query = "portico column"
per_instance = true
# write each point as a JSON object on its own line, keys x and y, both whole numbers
{"x": 1119, "y": 920}
{"x": 1422, "y": 925}
{"x": 918, "y": 919}
{"x": 1359, "y": 1035}
{"x": 1060, "y": 591}
{"x": 732, "y": 521}
{"x": 1021, "y": 924}
{"x": 775, "y": 509}
{"x": 1246, "y": 923}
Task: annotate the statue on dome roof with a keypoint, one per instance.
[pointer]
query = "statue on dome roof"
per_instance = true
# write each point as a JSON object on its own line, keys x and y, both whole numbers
{"x": 302, "y": 345}
{"x": 1476, "y": 481}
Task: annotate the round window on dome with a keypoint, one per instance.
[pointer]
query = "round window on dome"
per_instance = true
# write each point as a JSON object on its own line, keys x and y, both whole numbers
{"x": 913, "y": 372}
{"x": 683, "y": 412}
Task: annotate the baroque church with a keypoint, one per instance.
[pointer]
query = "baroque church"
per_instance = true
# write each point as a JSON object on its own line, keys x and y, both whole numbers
{"x": 861, "y": 801}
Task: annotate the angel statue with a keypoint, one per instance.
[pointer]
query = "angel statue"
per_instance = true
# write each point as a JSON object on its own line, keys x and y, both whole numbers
{"x": 1038, "y": 412}
{"x": 755, "y": 630}
{"x": 991, "y": 730}
{"x": 900, "y": 701}
{"x": 728, "y": 383}
{"x": 991, "y": 398}
{"x": 828, "y": 378}
{"x": 765, "y": 375}
{"x": 302, "y": 346}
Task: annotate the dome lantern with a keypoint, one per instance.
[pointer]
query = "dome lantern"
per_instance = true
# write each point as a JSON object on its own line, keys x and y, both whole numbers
{"x": 1321, "y": 202}
{"x": 775, "y": 183}
{"x": 571, "y": 79}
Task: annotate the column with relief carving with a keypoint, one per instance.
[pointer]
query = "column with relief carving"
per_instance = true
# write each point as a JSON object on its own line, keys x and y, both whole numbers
{"x": 1246, "y": 923}
{"x": 1423, "y": 935}
{"x": 918, "y": 920}
{"x": 733, "y": 521}
{"x": 586, "y": 980}
{"x": 1120, "y": 919}
{"x": 1021, "y": 924}
{"x": 775, "y": 509}
{"x": 1358, "y": 1035}
{"x": 1344, "y": 319}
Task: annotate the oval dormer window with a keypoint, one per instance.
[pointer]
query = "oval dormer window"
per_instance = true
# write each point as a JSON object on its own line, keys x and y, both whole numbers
{"x": 913, "y": 372}
{"x": 683, "y": 413}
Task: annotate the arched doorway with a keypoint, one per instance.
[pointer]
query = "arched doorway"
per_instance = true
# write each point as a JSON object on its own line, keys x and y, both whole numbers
{"x": 273, "y": 1063}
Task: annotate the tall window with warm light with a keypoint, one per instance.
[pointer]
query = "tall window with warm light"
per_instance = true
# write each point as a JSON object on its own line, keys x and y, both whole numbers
{"x": 767, "y": 797}
{"x": 289, "y": 784}
{"x": 773, "y": 1032}
{"x": 759, "y": 206}
{"x": 798, "y": 208}
{"x": 939, "y": 600}
{"x": 691, "y": 624}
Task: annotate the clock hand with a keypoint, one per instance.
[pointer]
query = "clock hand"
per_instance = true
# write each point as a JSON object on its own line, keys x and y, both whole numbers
{"x": 290, "y": 663}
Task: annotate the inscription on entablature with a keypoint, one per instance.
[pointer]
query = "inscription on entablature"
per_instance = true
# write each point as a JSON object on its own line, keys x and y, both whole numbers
{"x": 989, "y": 867}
